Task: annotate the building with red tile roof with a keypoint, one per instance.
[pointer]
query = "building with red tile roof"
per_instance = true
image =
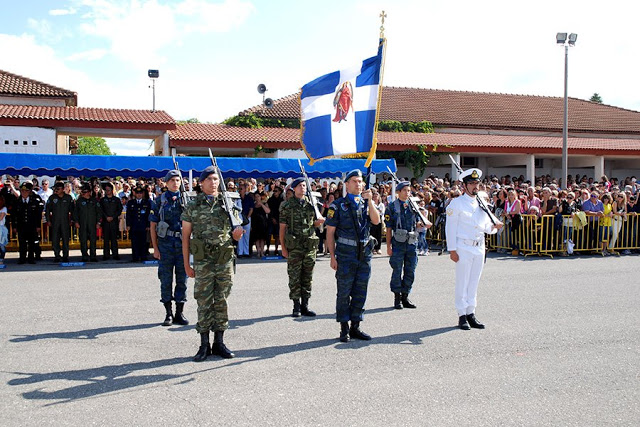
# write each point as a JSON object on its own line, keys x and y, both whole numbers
{"x": 16, "y": 89}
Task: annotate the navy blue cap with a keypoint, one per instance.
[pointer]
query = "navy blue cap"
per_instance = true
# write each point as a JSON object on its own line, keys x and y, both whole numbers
{"x": 355, "y": 172}
{"x": 402, "y": 184}
{"x": 171, "y": 174}
{"x": 296, "y": 182}
{"x": 206, "y": 172}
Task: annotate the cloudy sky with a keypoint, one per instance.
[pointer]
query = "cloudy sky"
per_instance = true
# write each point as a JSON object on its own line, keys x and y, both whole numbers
{"x": 213, "y": 53}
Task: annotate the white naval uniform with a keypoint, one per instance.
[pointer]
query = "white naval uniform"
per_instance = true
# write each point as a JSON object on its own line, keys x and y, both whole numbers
{"x": 465, "y": 227}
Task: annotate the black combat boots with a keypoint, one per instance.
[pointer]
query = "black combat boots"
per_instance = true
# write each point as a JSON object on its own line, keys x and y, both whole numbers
{"x": 304, "y": 308}
{"x": 344, "y": 331}
{"x": 356, "y": 333}
{"x": 397, "y": 301}
{"x": 406, "y": 303}
{"x": 463, "y": 324}
{"x": 218, "y": 348}
{"x": 205, "y": 350}
{"x": 296, "y": 308}
{"x": 473, "y": 322}
{"x": 168, "y": 320}
{"x": 179, "y": 318}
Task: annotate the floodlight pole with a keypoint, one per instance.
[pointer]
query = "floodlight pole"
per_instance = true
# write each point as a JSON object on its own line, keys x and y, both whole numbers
{"x": 565, "y": 125}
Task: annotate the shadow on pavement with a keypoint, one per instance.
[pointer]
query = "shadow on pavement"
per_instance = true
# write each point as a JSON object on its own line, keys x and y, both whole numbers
{"x": 105, "y": 379}
{"x": 84, "y": 334}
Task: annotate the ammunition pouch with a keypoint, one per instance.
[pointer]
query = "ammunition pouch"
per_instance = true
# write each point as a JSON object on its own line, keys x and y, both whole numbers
{"x": 161, "y": 229}
{"x": 290, "y": 241}
{"x": 196, "y": 247}
{"x": 402, "y": 236}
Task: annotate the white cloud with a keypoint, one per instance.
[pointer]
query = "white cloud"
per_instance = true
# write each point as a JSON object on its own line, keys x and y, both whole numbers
{"x": 88, "y": 55}
{"x": 62, "y": 12}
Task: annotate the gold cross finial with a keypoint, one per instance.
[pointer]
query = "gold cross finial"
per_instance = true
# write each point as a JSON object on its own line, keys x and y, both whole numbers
{"x": 382, "y": 16}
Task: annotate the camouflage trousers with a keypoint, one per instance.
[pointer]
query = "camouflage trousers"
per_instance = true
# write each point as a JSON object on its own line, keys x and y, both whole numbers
{"x": 300, "y": 269}
{"x": 403, "y": 261}
{"x": 211, "y": 290}
{"x": 352, "y": 279}
{"x": 171, "y": 260}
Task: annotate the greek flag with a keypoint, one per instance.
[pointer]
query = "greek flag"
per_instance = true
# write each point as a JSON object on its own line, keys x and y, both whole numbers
{"x": 339, "y": 112}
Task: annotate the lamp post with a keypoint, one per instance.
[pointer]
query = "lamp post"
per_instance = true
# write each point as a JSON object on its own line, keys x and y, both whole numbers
{"x": 561, "y": 38}
{"x": 153, "y": 75}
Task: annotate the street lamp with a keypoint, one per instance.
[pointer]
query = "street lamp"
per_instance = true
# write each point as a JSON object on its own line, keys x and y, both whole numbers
{"x": 561, "y": 38}
{"x": 153, "y": 75}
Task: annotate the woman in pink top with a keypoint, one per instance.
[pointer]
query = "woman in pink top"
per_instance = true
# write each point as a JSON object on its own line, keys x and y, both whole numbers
{"x": 533, "y": 199}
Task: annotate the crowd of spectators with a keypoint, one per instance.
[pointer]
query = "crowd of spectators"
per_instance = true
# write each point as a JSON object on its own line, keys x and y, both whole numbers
{"x": 602, "y": 200}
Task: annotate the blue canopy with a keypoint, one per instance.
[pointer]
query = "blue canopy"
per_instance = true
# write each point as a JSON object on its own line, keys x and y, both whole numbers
{"x": 157, "y": 166}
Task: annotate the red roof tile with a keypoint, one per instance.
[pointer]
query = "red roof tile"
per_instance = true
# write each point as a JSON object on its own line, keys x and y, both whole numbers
{"x": 83, "y": 114}
{"x": 202, "y": 134}
{"x": 15, "y": 85}
{"x": 226, "y": 133}
{"x": 484, "y": 110}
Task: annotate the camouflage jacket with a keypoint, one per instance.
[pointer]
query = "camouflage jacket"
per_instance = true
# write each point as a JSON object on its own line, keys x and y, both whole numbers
{"x": 209, "y": 220}
{"x": 298, "y": 215}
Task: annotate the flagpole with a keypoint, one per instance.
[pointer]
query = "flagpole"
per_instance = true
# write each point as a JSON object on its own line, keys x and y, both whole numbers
{"x": 383, "y": 42}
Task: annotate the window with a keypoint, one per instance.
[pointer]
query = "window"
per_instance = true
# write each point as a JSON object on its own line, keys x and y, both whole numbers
{"x": 25, "y": 142}
{"x": 539, "y": 163}
{"x": 34, "y": 142}
{"x": 6, "y": 142}
{"x": 469, "y": 162}
{"x": 15, "y": 142}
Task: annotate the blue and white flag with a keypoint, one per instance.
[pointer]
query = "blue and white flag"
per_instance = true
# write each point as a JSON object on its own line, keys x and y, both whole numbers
{"x": 339, "y": 112}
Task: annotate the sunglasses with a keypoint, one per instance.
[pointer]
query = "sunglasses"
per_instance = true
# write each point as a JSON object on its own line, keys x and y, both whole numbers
{"x": 593, "y": 196}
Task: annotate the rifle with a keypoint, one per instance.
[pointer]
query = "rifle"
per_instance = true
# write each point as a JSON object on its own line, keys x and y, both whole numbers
{"x": 185, "y": 197}
{"x": 481, "y": 202}
{"x": 413, "y": 203}
{"x": 228, "y": 197}
{"x": 313, "y": 195}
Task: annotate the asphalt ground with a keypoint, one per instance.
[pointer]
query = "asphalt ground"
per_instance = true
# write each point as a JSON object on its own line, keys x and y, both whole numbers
{"x": 83, "y": 346}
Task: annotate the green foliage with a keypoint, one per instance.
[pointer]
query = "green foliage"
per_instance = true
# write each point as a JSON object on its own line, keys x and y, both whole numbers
{"x": 396, "y": 126}
{"x": 596, "y": 98}
{"x": 93, "y": 145}
{"x": 191, "y": 120}
{"x": 254, "y": 122}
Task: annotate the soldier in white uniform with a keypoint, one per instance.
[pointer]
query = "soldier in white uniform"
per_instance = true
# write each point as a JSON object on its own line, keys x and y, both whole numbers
{"x": 467, "y": 223}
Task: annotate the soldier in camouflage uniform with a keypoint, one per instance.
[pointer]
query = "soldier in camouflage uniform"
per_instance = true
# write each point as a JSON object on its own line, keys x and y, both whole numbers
{"x": 348, "y": 240}
{"x": 212, "y": 250}
{"x": 299, "y": 245}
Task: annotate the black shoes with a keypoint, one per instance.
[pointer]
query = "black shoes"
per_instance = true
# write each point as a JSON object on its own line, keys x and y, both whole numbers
{"x": 168, "y": 319}
{"x": 179, "y": 318}
{"x": 463, "y": 324}
{"x": 304, "y": 308}
{"x": 405, "y": 301}
{"x": 296, "y": 308}
{"x": 218, "y": 348}
{"x": 344, "y": 331}
{"x": 473, "y": 322}
{"x": 205, "y": 350}
{"x": 356, "y": 333}
{"x": 93, "y": 259}
{"x": 397, "y": 301}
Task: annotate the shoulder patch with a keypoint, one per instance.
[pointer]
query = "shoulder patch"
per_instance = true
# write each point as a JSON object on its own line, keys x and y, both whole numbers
{"x": 387, "y": 217}
{"x": 331, "y": 212}
{"x": 449, "y": 211}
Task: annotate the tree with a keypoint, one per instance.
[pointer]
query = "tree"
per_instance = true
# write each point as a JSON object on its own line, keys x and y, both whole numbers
{"x": 93, "y": 145}
{"x": 191, "y": 120}
{"x": 596, "y": 98}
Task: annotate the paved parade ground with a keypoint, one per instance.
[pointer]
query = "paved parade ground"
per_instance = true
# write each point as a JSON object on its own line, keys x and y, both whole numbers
{"x": 83, "y": 346}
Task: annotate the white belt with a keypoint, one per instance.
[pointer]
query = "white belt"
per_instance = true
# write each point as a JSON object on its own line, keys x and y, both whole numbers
{"x": 469, "y": 242}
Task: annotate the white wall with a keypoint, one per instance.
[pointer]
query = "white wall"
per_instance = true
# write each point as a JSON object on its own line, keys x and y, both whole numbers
{"x": 45, "y": 140}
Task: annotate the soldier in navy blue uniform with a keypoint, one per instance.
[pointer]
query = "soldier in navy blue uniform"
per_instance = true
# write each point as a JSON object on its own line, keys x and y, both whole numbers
{"x": 138, "y": 211}
{"x": 27, "y": 217}
{"x": 166, "y": 238}
{"x": 111, "y": 210}
{"x": 350, "y": 246}
{"x": 402, "y": 243}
